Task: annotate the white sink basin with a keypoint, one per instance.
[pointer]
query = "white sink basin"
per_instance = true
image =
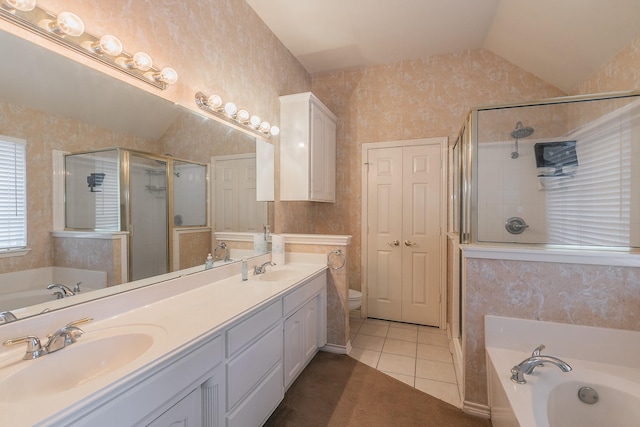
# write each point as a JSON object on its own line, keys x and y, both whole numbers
{"x": 277, "y": 275}
{"x": 93, "y": 355}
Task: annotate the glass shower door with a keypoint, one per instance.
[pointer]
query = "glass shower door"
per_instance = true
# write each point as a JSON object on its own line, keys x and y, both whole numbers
{"x": 149, "y": 245}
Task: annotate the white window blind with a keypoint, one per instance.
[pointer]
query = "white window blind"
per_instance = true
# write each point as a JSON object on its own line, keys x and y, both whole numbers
{"x": 108, "y": 198}
{"x": 594, "y": 206}
{"x": 13, "y": 193}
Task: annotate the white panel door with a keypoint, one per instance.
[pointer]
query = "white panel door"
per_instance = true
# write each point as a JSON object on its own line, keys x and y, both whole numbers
{"x": 403, "y": 249}
{"x": 421, "y": 250}
{"x": 234, "y": 198}
{"x": 384, "y": 253}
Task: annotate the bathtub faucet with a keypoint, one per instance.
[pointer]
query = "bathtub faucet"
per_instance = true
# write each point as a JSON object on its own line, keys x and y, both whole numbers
{"x": 528, "y": 365}
{"x": 63, "y": 292}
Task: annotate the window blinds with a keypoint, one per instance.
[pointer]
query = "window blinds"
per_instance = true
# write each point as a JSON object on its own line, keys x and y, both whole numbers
{"x": 593, "y": 207}
{"x": 13, "y": 194}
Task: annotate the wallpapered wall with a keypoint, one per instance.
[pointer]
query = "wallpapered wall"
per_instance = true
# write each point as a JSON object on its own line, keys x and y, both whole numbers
{"x": 407, "y": 100}
{"x": 218, "y": 46}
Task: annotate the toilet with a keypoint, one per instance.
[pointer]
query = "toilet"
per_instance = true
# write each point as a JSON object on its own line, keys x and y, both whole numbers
{"x": 355, "y": 299}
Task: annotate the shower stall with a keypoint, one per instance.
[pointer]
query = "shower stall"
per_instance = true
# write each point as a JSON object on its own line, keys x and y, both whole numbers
{"x": 556, "y": 172}
{"x": 146, "y": 195}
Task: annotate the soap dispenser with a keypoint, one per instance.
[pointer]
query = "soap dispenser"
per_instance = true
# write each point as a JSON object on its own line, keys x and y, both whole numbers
{"x": 245, "y": 268}
{"x": 209, "y": 263}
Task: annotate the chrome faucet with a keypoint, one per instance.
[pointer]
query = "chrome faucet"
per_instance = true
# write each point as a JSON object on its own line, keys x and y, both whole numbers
{"x": 61, "y": 338}
{"x": 7, "y": 316}
{"x": 63, "y": 292}
{"x": 261, "y": 269}
{"x": 528, "y": 365}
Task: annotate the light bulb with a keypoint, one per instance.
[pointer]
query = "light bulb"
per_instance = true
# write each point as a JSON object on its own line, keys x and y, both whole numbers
{"x": 230, "y": 109}
{"x": 255, "y": 122}
{"x": 264, "y": 127}
{"x": 275, "y": 130}
{"x": 140, "y": 60}
{"x": 23, "y": 5}
{"x": 214, "y": 101}
{"x": 167, "y": 75}
{"x": 108, "y": 44}
{"x": 68, "y": 23}
{"x": 242, "y": 116}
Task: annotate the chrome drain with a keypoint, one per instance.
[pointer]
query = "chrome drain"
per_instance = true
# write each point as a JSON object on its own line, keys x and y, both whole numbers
{"x": 588, "y": 395}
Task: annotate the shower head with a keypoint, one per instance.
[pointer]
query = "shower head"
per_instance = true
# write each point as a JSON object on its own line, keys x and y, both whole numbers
{"x": 521, "y": 132}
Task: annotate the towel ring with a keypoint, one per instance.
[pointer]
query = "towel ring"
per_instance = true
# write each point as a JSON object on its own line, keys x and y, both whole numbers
{"x": 339, "y": 253}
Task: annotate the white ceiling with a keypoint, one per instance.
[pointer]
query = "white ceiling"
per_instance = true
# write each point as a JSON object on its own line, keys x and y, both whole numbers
{"x": 560, "y": 41}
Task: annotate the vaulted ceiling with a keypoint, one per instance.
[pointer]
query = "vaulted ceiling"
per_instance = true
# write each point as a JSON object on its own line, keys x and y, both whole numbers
{"x": 560, "y": 41}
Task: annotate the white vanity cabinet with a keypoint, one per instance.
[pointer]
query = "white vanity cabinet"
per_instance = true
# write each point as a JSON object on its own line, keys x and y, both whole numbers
{"x": 254, "y": 367}
{"x": 176, "y": 393}
{"x": 304, "y": 327}
{"x": 307, "y": 149}
{"x": 232, "y": 372}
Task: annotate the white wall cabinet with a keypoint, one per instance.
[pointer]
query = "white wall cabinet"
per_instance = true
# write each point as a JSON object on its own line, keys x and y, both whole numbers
{"x": 307, "y": 149}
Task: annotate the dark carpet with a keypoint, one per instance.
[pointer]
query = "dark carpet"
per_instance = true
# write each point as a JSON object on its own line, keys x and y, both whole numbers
{"x": 337, "y": 390}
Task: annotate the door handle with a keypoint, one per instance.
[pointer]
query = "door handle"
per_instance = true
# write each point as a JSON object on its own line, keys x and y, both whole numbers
{"x": 409, "y": 243}
{"x": 394, "y": 243}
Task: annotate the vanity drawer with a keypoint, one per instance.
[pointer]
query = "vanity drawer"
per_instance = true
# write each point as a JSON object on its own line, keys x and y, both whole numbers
{"x": 252, "y": 365}
{"x": 242, "y": 334}
{"x": 301, "y": 295}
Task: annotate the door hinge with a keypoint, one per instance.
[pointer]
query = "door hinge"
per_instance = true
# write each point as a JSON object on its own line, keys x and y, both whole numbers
{"x": 367, "y": 165}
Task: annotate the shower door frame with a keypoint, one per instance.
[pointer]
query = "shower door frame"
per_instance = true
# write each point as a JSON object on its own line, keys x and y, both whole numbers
{"x": 126, "y": 205}
{"x": 469, "y": 158}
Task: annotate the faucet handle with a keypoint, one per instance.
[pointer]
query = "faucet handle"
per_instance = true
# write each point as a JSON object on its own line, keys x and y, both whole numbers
{"x": 34, "y": 348}
{"x": 80, "y": 321}
{"x": 538, "y": 350}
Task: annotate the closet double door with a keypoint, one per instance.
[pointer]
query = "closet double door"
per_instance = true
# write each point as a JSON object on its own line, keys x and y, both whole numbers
{"x": 404, "y": 246}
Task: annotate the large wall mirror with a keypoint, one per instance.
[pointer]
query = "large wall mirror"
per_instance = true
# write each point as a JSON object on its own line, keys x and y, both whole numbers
{"x": 56, "y": 105}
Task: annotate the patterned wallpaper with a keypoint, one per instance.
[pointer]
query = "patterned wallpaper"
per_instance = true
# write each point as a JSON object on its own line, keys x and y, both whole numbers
{"x": 215, "y": 45}
{"x": 407, "y": 100}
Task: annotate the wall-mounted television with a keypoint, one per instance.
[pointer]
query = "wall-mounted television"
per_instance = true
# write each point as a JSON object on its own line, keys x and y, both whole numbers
{"x": 555, "y": 156}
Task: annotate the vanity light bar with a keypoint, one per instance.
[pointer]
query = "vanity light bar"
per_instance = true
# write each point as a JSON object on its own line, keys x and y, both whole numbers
{"x": 230, "y": 113}
{"x": 67, "y": 29}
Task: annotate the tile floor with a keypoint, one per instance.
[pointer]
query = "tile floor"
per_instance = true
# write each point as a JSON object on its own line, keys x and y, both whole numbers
{"x": 416, "y": 355}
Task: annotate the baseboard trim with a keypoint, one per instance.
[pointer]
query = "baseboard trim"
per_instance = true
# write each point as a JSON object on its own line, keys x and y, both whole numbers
{"x": 456, "y": 351}
{"x": 338, "y": 349}
{"x": 476, "y": 409}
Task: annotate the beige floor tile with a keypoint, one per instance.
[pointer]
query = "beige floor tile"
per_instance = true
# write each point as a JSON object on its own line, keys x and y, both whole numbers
{"x": 380, "y": 322}
{"x": 368, "y": 357}
{"x": 398, "y": 364}
{"x": 403, "y": 348}
{"x": 443, "y": 391}
{"x": 407, "y": 379}
{"x": 400, "y": 325}
{"x": 403, "y": 334}
{"x": 435, "y": 353}
{"x": 436, "y": 371}
{"x": 368, "y": 342}
{"x": 374, "y": 330}
{"x": 432, "y": 329}
{"x": 432, "y": 339}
